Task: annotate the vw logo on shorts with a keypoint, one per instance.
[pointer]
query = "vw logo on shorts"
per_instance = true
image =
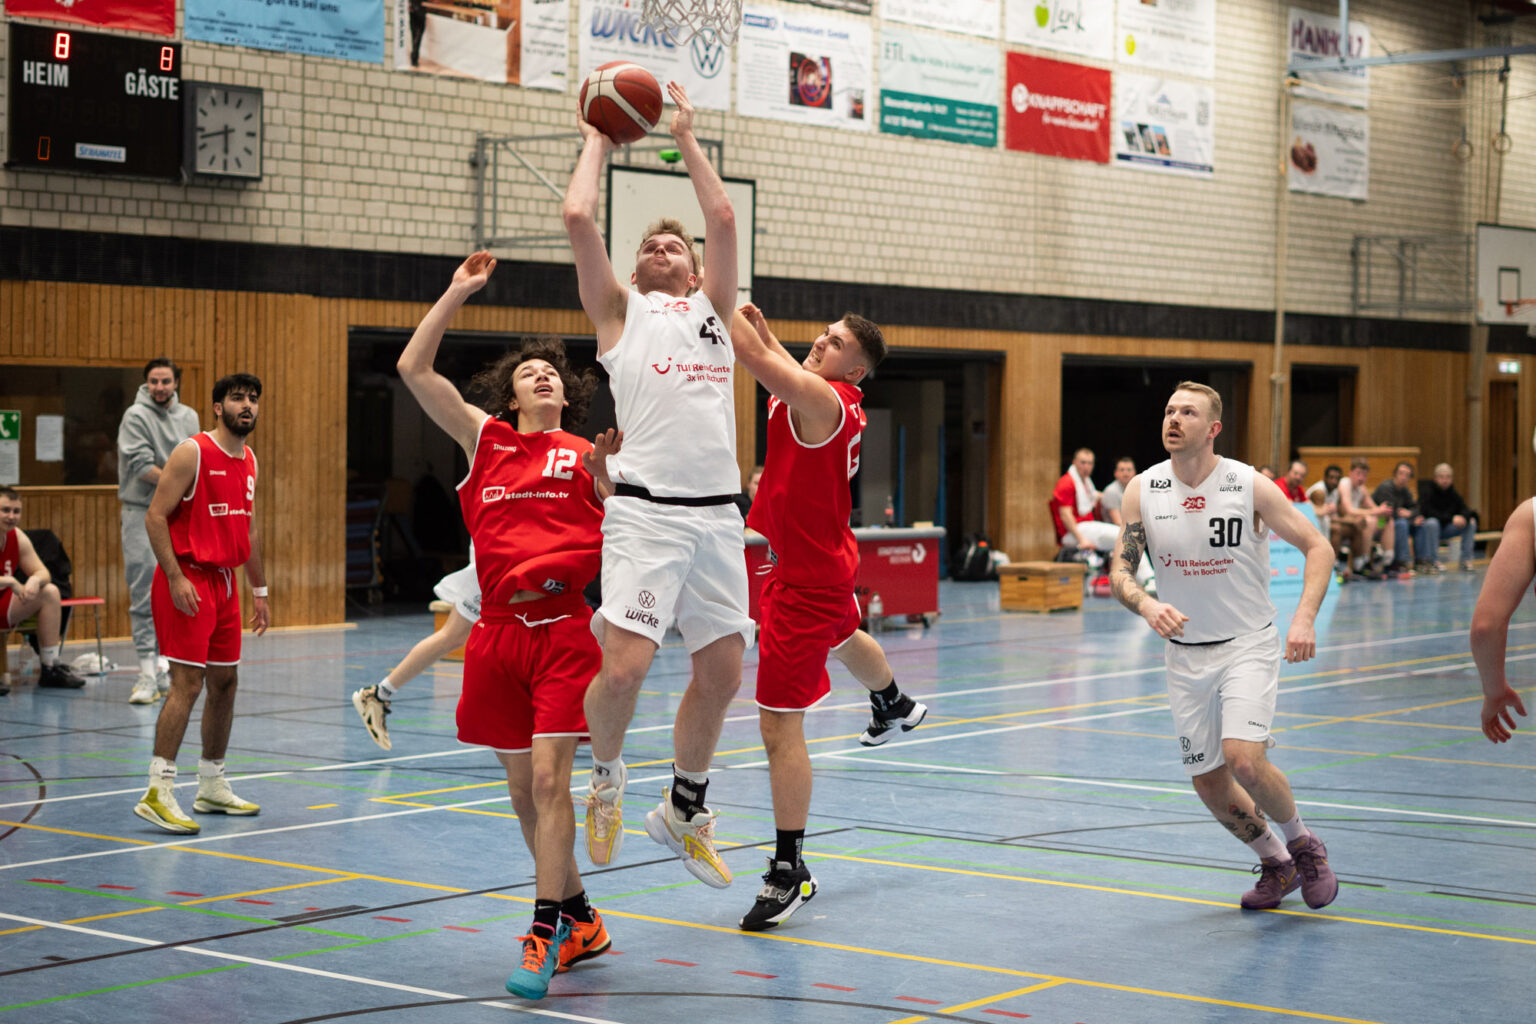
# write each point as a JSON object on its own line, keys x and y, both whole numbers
{"x": 1184, "y": 742}
{"x": 647, "y": 599}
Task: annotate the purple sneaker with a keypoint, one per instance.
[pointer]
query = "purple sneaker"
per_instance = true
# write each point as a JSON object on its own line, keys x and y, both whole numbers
{"x": 1319, "y": 885}
{"x": 1276, "y": 878}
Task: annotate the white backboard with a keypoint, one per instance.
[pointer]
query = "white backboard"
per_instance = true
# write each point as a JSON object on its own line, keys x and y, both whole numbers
{"x": 637, "y": 196}
{"x": 1506, "y": 273}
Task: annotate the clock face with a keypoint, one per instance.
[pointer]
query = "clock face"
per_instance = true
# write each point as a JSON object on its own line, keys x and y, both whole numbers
{"x": 226, "y": 131}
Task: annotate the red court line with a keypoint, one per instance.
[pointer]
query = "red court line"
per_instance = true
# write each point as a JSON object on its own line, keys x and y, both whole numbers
{"x": 124, "y": 888}
{"x": 173, "y": 892}
{"x": 401, "y": 920}
{"x": 1007, "y": 1013}
{"x": 47, "y": 881}
{"x": 754, "y": 974}
{"x": 677, "y": 963}
{"x": 914, "y": 999}
{"x": 259, "y": 903}
{"x": 835, "y": 988}
{"x": 456, "y": 928}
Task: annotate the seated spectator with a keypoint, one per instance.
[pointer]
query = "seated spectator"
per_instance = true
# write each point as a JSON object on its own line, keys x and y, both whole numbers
{"x": 1268, "y": 471}
{"x": 1076, "y": 512}
{"x": 1394, "y": 494}
{"x": 1111, "y": 496}
{"x": 1446, "y": 515}
{"x": 1358, "y": 512}
{"x": 1324, "y": 496}
{"x": 26, "y": 588}
{"x": 1293, "y": 483}
{"x": 745, "y": 498}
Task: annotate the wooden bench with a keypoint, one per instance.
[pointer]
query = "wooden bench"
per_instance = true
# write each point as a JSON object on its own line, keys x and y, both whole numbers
{"x": 1040, "y": 586}
{"x": 1488, "y": 538}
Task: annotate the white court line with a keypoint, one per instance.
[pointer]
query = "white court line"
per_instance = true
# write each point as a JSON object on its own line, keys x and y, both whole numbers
{"x": 296, "y": 968}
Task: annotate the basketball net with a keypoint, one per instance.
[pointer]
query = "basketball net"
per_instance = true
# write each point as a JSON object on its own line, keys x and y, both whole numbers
{"x": 1524, "y": 312}
{"x": 717, "y": 21}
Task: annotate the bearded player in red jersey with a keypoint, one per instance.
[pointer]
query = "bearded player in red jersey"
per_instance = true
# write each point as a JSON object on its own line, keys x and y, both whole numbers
{"x": 201, "y": 527}
{"x": 534, "y": 512}
{"x": 808, "y": 607}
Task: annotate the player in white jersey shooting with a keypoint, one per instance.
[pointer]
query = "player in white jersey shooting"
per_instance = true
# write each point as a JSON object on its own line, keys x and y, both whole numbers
{"x": 672, "y": 534}
{"x": 1205, "y": 521}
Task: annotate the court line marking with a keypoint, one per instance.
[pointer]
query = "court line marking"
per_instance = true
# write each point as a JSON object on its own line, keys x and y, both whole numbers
{"x": 296, "y": 968}
{"x": 962, "y": 1007}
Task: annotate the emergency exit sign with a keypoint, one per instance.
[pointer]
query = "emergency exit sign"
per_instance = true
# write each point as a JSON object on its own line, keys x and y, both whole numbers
{"x": 10, "y": 424}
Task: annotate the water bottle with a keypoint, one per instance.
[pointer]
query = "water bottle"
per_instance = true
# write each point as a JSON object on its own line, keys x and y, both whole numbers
{"x": 876, "y": 612}
{"x": 890, "y": 511}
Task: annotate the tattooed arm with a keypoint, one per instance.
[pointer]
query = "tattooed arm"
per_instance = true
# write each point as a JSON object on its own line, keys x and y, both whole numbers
{"x": 1165, "y": 619}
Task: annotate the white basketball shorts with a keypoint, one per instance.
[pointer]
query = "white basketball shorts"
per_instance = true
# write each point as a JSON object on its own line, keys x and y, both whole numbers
{"x": 1223, "y": 691}
{"x": 672, "y": 563}
{"x": 462, "y": 590}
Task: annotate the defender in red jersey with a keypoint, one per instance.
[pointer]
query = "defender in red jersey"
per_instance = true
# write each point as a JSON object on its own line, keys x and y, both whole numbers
{"x": 815, "y": 424}
{"x": 534, "y": 512}
{"x": 26, "y": 589}
{"x": 201, "y": 526}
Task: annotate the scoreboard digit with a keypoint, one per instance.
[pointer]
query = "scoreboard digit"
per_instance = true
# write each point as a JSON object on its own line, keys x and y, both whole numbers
{"x": 91, "y": 103}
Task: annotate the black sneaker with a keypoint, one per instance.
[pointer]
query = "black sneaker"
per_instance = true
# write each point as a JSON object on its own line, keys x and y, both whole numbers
{"x": 785, "y": 890}
{"x": 908, "y": 714}
{"x": 5, "y": 687}
{"x": 61, "y": 676}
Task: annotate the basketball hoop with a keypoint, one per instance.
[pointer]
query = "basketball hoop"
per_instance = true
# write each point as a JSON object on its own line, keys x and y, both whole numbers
{"x": 717, "y": 21}
{"x": 1522, "y": 311}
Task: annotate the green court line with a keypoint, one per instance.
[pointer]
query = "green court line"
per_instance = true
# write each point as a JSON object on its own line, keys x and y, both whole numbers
{"x": 355, "y": 945}
{"x": 119, "y": 988}
{"x": 204, "y": 911}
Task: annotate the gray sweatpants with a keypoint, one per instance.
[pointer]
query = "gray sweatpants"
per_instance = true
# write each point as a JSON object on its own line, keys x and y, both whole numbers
{"x": 139, "y": 568}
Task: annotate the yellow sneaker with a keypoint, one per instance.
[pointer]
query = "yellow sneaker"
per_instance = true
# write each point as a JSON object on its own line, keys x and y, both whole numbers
{"x": 215, "y": 797}
{"x": 692, "y": 840}
{"x": 605, "y": 823}
{"x": 158, "y": 806}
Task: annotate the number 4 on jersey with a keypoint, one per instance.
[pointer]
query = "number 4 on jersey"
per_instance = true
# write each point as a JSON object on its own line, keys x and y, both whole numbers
{"x": 711, "y": 331}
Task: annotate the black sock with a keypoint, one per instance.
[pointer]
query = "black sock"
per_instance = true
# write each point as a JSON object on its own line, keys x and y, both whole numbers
{"x": 790, "y": 842}
{"x": 885, "y": 700}
{"x": 546, "y": 917}
{"x": 688, "y": 797}
{"x": 577, "y": 908}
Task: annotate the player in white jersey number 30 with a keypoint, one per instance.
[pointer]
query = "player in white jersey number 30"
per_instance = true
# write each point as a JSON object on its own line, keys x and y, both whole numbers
{"x": 1205, "y": 523}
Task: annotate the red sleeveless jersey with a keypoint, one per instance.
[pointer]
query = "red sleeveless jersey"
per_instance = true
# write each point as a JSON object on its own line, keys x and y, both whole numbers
{"x": 10, "y": 554}
{"x": 212, "y": 525}
{"x": 803, "y": 502}
{"x": 531, "y": 512}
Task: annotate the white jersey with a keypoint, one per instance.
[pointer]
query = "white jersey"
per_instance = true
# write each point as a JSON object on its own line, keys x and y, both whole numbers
{"x": 1211, "y": 561}
{"x": 671, "y": 379}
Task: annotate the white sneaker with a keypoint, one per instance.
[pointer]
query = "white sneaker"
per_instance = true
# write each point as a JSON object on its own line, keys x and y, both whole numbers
{"x": 693, "y": 841}
{"x": 373, "y": 710}
{"x": 215, "y": 797}
{"x": 158, "y": 806}
{"x": 163, "y": 682}
{"x": 144, "y": 691}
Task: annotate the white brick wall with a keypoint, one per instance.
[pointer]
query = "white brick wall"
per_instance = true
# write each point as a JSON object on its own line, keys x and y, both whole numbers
{"x": 362, "y": 156}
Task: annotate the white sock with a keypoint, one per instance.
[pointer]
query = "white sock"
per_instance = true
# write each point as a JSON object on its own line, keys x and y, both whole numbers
{"x": 1294, "y": 829}
{"x": 207, "y": 769}
{"x": 1269, "y": 846}
{"x": 698, "y": 778}
{"x": 50, "y": 656}
{"x": 161, "y": 769}
{"x": 149, "y": 665}
{"x": 385, "y": 691}
{"x": 610, "y": 773}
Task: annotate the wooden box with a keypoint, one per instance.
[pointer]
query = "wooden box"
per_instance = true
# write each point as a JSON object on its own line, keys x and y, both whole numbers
{"x": 1041, "y": 586}
{"x": 440, "y": 612}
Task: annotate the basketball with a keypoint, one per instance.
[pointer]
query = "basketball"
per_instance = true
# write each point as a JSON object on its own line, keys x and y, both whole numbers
{"x": 621, "y": 100}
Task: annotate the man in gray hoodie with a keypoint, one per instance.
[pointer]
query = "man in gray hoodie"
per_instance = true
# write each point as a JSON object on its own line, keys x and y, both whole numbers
{"x": 153, "y": 425}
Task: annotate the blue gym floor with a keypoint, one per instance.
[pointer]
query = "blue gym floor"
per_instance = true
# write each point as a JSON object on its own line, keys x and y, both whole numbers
{"x": 1033, "y": 851}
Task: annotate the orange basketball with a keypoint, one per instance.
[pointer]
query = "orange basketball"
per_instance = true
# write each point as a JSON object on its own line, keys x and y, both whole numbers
{"x": 621, "y": 100}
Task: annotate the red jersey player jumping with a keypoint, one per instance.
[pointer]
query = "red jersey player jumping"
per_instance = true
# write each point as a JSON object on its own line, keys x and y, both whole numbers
{"x": 535, "y": 516}
{"x": 808, "y": 606}
{"x": 201, "y": 527}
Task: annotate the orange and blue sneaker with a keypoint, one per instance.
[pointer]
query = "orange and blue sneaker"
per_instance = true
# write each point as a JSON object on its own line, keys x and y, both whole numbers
{"x": 541, "y": 957}
{"x": 586, "y": 940}
{"x": 692, "y": 840}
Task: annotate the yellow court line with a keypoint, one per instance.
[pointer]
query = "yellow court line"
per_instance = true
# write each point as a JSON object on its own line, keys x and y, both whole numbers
{"x": 1375, "y": 717}
{"x": 962, "y": 1007}
{"x": 72, "y": 832}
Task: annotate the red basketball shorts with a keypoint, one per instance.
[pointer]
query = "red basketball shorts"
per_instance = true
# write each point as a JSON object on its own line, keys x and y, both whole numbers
{"x": 800, "y": 627}
{"x": 212, "y": 636}
{"x": 5, "y": 607}
{"x": 526, "y": 671}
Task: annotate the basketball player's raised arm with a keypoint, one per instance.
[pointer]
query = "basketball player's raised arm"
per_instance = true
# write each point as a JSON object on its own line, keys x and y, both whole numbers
{"x": 1278, "y": 514}
{"x": 176, "y": 478}
{"x": 1509, "y": 576}
{"x": 807, "y": 394}
{"x": 603, "y": 298}
{"x": 720, "y": 269}
{"x": 1166, "y": 620}
{"x": 436, "y": 393}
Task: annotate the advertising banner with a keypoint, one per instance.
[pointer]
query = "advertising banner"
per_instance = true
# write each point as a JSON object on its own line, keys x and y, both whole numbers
{"x": 796, "y": 64}
{"x": 972, "y": 17}
{"x": 349, "y": 29}
{"x": 1315, "y": 39}
{"x": 1082, "y": 27}
{"x": 157, "y": 16}
{"x": 1164, "y": 125}
{"x": 520, "y": 42}
{"x": 1169, "y": 35}
{"x": 938, "y": 87}
{"x": 1330, "y": 152}
{"x": 1058, "y": 109}
{"x": 611, "y": 30}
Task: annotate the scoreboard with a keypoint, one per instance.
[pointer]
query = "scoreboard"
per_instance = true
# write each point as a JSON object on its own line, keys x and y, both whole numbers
{"x": 91, "y": 103}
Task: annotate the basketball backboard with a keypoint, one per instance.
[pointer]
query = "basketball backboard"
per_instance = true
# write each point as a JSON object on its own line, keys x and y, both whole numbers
{"x": 1506, "y": 274}
{"x": 637, "y": 196}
